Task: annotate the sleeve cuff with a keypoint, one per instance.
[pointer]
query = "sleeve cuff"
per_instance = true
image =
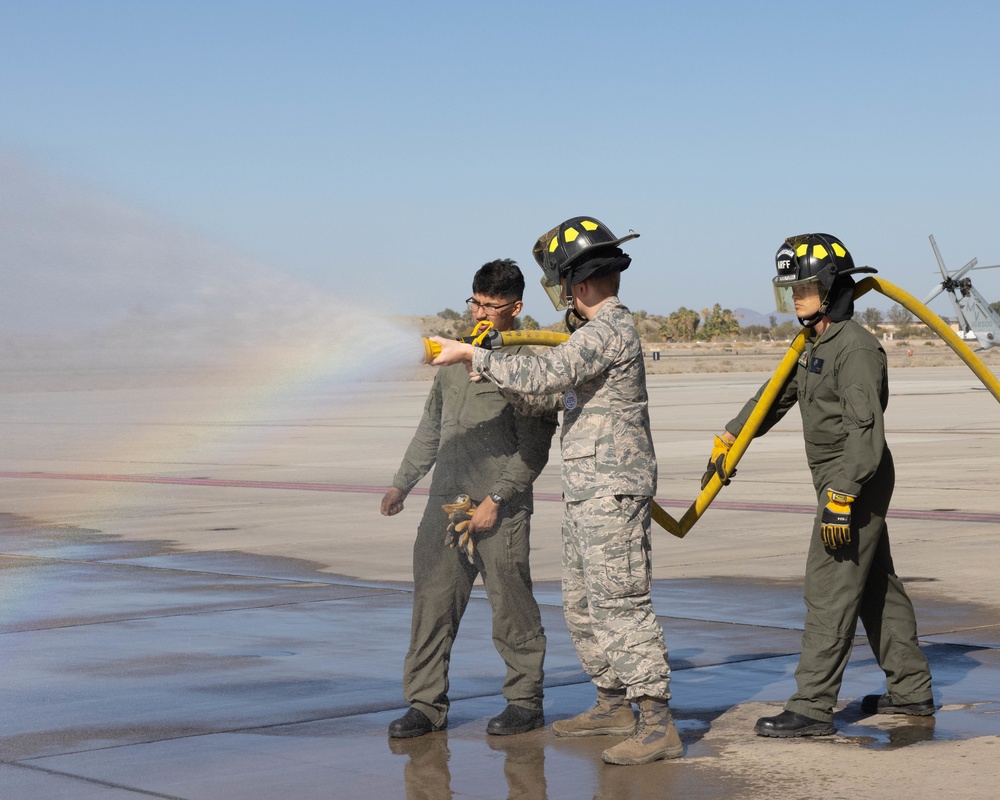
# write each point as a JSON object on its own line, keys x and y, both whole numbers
{"x": 847, "y": 487}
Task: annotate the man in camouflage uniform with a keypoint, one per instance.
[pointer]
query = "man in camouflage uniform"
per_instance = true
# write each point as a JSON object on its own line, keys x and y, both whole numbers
{"x": 608, "y": 478}
{"x": 483, "y": 449}
{"x": 841, "y": 387}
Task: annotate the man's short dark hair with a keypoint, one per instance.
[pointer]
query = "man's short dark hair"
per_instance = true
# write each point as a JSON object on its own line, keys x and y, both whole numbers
{"x": 500, "y": 278}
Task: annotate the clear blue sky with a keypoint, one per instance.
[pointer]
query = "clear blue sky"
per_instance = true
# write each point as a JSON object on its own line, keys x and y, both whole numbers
{"x": 382, "y": 151}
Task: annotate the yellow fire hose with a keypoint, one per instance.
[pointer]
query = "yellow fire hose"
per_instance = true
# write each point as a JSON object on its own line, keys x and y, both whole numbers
{"x": 767, "y": 399}
{"x": 484, "y": 329}
{"x": 771, "y": 391}
{"x": 911, "y": 304}
{"x": 935, "y": 323}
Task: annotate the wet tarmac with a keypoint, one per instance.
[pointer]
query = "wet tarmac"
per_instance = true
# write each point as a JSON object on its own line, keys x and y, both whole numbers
{"x": 213, "y": 641}
{"x": 133, "y": 670}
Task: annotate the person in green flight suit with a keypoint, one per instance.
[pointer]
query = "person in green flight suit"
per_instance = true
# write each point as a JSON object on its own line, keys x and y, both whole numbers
{"x": 842, "y": 389}
{"x": 485, "y": 451}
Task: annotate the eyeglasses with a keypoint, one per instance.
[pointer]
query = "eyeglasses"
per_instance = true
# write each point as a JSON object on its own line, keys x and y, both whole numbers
{"x": 491, "y": 309}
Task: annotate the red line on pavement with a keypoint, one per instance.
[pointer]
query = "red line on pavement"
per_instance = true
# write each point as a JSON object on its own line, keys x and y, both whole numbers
{"x": 773, "y": 508}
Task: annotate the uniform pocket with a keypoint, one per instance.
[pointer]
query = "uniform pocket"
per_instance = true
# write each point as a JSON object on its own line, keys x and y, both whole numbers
{"x": 857, "y": 407}
{"x": 578, "y": 468}
{"x": 483, "y": 405}
{"x": 626, "y": 551}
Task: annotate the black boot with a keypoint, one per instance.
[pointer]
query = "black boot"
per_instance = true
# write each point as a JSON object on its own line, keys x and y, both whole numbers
{"x": 788, "y": 724}
{"x": 412, "y": 723}
{"x": 515, "y": 719}
{"x": 883, "y": 704}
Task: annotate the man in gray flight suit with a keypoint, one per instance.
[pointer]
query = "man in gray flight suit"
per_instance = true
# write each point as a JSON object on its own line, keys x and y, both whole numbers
{"x": 841, "y": 387}
{"x": 608, "y": 478}
{"x": 482, "y": 448}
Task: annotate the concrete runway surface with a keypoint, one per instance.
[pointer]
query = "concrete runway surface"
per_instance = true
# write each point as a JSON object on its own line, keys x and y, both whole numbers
{"x": 201, "y": 600}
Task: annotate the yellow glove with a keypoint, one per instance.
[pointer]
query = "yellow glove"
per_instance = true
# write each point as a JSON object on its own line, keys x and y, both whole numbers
{"x": 717, "y": 463}
{"x": 835, "y": 522}
{"x": 459, "y": 515}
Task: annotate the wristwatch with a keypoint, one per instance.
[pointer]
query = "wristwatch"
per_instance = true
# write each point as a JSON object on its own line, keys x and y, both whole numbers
{"x": 496, "y": 498}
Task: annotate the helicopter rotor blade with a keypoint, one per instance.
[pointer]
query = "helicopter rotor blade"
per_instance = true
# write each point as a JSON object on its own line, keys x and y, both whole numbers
{"x": 940, "y": 261}
{"x": 961, "y": 273}
{"x": 934, "y": 293}
{"x": 949, "y": 280}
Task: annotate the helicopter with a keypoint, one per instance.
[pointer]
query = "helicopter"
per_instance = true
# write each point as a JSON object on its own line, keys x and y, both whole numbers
{"x": 976, "y": 320}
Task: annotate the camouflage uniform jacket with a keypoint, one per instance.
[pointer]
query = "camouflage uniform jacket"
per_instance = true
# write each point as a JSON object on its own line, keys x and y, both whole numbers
{"x": 842, "y": 387}
{"x": 476, "y": 442}
{"x": 607, "y": 448}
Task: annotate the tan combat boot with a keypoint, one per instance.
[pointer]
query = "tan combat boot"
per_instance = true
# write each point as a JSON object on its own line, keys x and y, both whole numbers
{"x": 655, "y": 737}
{"x": 611, "y": 715}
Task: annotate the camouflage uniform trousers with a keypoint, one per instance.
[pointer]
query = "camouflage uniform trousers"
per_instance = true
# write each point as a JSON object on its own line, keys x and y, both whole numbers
{"x": 606, "y": 595}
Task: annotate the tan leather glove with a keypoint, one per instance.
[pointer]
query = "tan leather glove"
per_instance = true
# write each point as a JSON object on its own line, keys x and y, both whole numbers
{"x": 460, "y": 513}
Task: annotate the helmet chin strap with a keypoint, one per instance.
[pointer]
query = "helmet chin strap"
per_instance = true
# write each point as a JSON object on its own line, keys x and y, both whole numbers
{"x": 572, "y": 315}
{"x": 808, "y": 322}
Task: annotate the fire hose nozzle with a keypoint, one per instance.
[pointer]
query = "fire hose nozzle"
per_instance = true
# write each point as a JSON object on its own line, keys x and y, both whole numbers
{"x": 483, "y": 335}
{"x": 431, "y": 351}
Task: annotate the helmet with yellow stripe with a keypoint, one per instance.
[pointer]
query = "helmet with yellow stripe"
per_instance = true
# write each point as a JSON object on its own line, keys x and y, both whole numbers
{"x": 575, "y": 250}
{"x": 809, "y": 265}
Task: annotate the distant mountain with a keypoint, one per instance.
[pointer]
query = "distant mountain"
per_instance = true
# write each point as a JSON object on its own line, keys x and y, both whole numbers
{"x": 747, "y": 317}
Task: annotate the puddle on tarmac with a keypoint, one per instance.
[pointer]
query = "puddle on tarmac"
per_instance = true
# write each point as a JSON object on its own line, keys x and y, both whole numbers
{"x": 950, "y": 723}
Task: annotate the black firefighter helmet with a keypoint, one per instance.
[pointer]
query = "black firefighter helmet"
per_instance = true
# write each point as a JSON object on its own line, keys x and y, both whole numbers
{"x": 812, "y": 260}
{"x": 564, "y": 252}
